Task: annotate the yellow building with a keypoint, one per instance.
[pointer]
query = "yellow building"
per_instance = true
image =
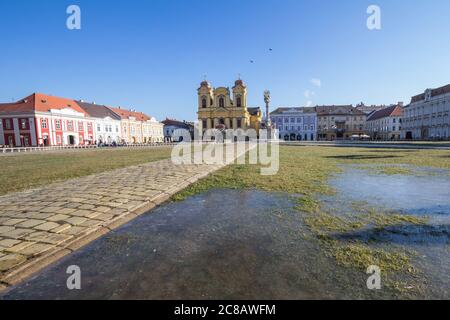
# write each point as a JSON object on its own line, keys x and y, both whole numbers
{"x": 217, "y": 109}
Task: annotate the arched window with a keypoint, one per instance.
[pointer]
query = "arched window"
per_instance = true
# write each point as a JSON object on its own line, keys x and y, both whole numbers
{"x": 221, "y": 102}
{"x": 203, "y": 102}
{"x": 239, "y": 102}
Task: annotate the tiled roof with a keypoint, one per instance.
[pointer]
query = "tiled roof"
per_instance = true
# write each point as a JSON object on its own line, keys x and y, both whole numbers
{"x": 392, "y": 111}
{"x": 40, "y": 102}
{"x": 98, "y": 111}
{"x": 338, "y": 110}
{"x": 172, "y": 122}
{"x": 127, "y": 114}
{"x": 286, "y": 109}
{"x": 254, "y": 111}
{"x": 434, "y": 92}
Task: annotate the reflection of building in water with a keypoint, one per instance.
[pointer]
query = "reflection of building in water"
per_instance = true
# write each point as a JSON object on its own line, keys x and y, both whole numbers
{"x": 218, "y": 109}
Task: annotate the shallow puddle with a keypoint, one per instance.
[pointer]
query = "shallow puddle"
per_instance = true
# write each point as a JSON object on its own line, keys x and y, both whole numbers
{"x": 224, "y": 244}
{"x": 424, "y": 194}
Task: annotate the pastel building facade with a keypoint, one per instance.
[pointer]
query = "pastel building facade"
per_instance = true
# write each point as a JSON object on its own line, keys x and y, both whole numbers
{"x": 427, "y": 117}
{"x": 43, "y": 120}
{"x": 385, "y": 124}
{"x": 340, "y": 122}
{"x": 137, "y": 127}
{"x": 152, "y": 131}
{"x": 295, "y": 124}
{"x": 107, "y": 123}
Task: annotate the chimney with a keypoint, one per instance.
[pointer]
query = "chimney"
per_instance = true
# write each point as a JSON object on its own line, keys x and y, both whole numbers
{"x": 401, "y": 104}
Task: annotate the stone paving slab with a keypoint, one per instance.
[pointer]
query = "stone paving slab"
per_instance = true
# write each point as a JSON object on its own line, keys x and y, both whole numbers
{"x": 40, "y": 226}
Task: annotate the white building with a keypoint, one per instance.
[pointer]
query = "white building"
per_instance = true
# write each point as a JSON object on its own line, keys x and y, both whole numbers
{"x": 173, "y": 129}
{"x": 427, "y": 116}
{"x": 385, "y": 124}
{"x": 107, "y": 123}
{"x": 153, "y": 131}
{"x": 295, "y": 124}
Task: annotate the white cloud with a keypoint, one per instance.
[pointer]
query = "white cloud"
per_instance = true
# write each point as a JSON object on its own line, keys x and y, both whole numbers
{"x": 316, "y": 82}
{"x": 309, "y": 94}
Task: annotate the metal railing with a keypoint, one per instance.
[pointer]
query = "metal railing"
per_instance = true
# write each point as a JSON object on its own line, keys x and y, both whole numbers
{"x": 8, "y": 150}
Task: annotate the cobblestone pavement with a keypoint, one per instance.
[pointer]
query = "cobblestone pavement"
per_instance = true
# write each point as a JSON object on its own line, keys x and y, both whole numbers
{"x": 39, "y": 226}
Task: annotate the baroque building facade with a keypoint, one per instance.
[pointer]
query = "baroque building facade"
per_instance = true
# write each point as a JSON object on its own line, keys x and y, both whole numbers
{"x": 220, "y": 108}
{"x": 295, "y": 124}
{"x": 427, "y": 117}
{"x": 340, "y": 122}
{"x": 45, "y": 120}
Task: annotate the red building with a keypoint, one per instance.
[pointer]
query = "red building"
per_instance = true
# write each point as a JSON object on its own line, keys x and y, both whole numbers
{"x": 43, "y": 120}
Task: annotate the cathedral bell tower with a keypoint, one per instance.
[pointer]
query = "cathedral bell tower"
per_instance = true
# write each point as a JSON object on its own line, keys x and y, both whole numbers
{"x": 240, "y": 94}
{"x": 205, "y": 96}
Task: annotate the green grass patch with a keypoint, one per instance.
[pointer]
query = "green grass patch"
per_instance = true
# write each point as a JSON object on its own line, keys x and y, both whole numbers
{"x": 21, "y": 172}
{"x": 304, "y": 171}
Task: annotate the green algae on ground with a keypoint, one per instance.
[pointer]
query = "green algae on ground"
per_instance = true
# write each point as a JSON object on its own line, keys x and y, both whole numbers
{"x": 304, "y": 172}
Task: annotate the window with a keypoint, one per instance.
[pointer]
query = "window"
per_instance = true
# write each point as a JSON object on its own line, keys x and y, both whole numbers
{"x": 26, "y": 141}
{"x": 23, "y": 124}
{"x": 58, "y": 125}
{"x": 70, "y": 125}
{"x": 203, "y": 102}
{"x": 239, "y": 123}
{"x": 58, "y": 139}
{"x": 80, "y": 126}
{"x": 44, "y": 124}
{"x": 10, "y": 141}
{"x": 89, "y": 126}
{"x": 221, "y": 102}
{"x": 8, "y": 124}
{"x": 292, "y": 120}
{"x": 239, "y": 102}
{"x": 117, "y": 128}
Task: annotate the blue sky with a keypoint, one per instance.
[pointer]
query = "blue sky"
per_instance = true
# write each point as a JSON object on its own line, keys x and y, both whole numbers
{"x": 151, "y": 55}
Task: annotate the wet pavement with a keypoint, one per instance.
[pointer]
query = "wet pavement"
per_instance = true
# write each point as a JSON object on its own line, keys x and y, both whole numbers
{"x": 247, "y": 244}
{"x": 223, "y": 244}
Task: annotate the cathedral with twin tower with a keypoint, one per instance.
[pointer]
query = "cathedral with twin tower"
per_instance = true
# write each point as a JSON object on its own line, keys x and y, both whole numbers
{"x": 218, "y": 109}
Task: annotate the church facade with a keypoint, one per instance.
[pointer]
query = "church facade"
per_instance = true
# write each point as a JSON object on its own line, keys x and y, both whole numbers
{"x": 220, "y": 108}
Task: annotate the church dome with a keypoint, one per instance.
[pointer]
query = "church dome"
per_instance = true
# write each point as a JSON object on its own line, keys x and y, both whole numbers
{"x": 205, "y": 84}
{"x": 239, "y": 83}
